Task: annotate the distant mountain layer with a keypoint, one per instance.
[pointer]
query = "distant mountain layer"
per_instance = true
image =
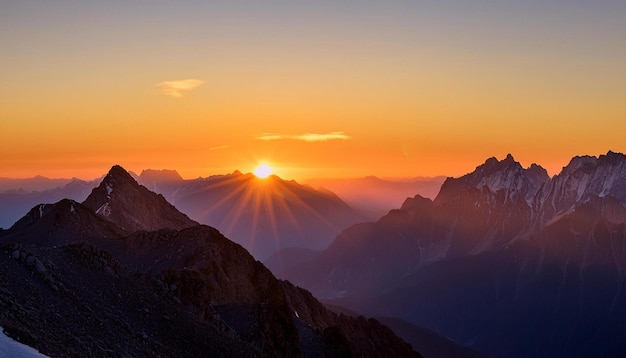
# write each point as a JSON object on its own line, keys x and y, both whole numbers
{"x": 14, "y": 203}
{"x": 125, "y": 274}
{"x": 375, "y": 196}
{"x": 38, "y": 183}
{"x": 505, "y": 259}
{"x": 263, "y": 215}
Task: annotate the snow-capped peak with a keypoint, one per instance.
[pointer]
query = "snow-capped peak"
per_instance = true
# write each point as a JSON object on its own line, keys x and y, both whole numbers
{"x": 585, "y": 177}
{"x": 507, "y": 175}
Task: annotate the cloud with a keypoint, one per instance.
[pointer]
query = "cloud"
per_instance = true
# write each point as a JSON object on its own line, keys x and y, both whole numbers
{"x": 270, "y": 136}
{"x": 307, "y": 137}
{"x": 218, "y": 147}
{"x": 176, "y": 89}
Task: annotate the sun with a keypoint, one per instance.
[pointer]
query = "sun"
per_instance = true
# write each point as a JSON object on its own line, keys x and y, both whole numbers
{"x": 263, "y": 171}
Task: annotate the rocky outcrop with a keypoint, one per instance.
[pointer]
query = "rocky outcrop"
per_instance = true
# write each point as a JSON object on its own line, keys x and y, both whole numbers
{"x": 122, "y": 201}
{"x": 582, "y": 179}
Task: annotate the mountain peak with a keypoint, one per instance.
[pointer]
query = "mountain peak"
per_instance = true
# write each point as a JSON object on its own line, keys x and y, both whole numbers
{"x": 493, "y": 164}
{"x": 612, "y": 157}
{"x": 496, "y": 175}
{"x": 117, "y": 172}
{"x": 416, "y": 202}
{"x": 163, "y": 175}
{"x": 121, "y": 200}
{"x": 590, "y": 163}
{"x": 586, "y": 177}
{"x": 62, "y": 223}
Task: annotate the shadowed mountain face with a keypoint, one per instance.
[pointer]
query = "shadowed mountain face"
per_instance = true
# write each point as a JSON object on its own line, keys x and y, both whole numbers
{"x": 131, "y": 206}
{"x": 14, "y": 203}
{"x": 504, "y": 259}
{"x": 263, "y": 215}
{"x": 63, "y": 223}
{"x": 74, "y": 282}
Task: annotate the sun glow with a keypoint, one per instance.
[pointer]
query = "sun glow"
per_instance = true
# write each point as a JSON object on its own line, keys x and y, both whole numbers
{"x": 263, "y": 171}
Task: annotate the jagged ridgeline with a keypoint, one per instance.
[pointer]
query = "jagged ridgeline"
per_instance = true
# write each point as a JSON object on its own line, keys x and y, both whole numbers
{"x": 505, "y": 259}
{"x": 126, "y": 274}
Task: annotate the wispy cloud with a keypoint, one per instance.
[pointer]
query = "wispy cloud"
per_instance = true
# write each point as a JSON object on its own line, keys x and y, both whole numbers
{"x": 218, "y": 147}
{"x": 307, "y": 137}
{"x": 177, "y": 89}
{"x": 271, "y": 136}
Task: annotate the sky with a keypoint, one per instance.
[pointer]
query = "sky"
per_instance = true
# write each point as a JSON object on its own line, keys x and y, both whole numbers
{"x": 312, "y": 88}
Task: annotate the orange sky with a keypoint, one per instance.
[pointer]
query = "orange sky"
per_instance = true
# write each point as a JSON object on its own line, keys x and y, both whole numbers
{"x": 316, "y": 90}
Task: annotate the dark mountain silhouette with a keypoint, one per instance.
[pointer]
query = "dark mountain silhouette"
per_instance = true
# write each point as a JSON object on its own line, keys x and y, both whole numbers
{"x": 504, "y": 259}
{"x": 425, "y": 341}
{"x": 76, "y": 283}
{"x": 263, "y": 215}
{"x": 428, "y": 343}
{"x": 62, "y": 223}
{"x": 132, "y": 207}
{"x": 560, "y": 293}
{"x": 14, "y": 203}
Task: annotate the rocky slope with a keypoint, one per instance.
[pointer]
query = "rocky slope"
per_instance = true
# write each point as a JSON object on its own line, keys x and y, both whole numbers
{"x": 76, "y": 283}
{"x": 132, "y": 207}
{"x": 520, "y": 250}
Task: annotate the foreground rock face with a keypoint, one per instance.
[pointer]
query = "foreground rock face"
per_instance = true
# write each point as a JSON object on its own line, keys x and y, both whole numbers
{"x": 74, "y": 283}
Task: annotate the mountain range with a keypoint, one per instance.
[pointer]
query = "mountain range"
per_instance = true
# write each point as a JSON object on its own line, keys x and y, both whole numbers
{"x": 126, "y": 274}
{"x": 505, "y": 259}
{"x": 15, "y": 202}
{"x": 263, "y": 215}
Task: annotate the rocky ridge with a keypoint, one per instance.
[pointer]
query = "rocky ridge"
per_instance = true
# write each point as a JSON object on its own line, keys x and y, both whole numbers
{"x": 132, "y": 207}
{"x": 75, "y": 283}
{"x": 521, "y": 249}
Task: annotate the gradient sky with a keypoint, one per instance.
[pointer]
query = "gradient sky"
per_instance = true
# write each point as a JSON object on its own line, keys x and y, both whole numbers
{"x": 315, "y": 88}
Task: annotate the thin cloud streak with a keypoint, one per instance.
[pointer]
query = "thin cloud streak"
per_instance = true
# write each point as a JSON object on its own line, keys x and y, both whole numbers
{"x": 307, "y": 137}
{"x": 176, "y": 89}
{"x": 218, "y": 147}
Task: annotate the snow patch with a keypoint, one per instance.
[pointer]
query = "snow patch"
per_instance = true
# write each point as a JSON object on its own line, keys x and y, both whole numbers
{"x": 109, "y": 189}
{"x": 41, "y": 206}
{"x": 12, "y": 348}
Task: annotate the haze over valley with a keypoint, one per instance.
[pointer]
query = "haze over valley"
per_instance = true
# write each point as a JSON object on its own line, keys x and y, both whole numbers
{"x": 497, "y": 253}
